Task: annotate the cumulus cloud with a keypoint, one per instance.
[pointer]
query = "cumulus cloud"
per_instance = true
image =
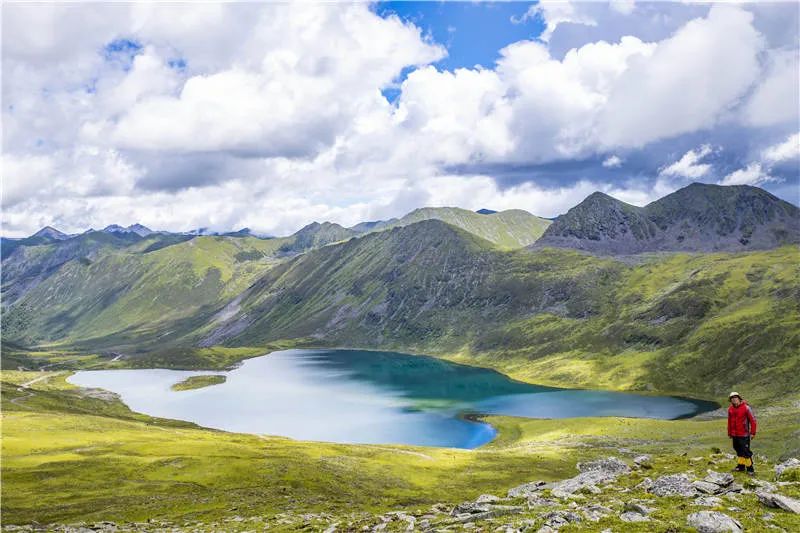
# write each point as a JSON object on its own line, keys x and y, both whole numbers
{"x": 238, "y": 116}
{"x": 752, "y": 174}
{"x": 785, "y": 151}
{"x": 689, "y": 166}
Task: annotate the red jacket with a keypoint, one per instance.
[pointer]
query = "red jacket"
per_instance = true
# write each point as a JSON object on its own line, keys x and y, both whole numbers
{"x": 741, "y": 421}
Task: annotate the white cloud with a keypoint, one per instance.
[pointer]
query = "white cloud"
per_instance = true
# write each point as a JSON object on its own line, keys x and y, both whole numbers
{"x": 261, "y": 114}
{"x": 624, "y": 7}
{"x": 688, "y": 83}
{"x": 689, "y": 166}
{"x": 553, "y": 13}
{"x": 752, "y": 174}
{"x": 776, "y": 100}
{"x": 785, "y": 151}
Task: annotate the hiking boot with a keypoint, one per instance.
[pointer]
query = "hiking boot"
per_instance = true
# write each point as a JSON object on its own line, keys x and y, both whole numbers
{"x": 739, "y": 468}
{"x": 751, "y": 472}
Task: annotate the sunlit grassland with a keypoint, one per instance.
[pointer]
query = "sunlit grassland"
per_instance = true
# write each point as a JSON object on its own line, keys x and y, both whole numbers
{"x": 71, "y": 455}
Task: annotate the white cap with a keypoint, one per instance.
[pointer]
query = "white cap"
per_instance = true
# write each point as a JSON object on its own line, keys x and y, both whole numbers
{"x": 731, "y": 395}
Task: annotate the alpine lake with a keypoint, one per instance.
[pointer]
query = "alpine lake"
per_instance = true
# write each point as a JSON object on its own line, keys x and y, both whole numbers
{"x": 356, "y": 396}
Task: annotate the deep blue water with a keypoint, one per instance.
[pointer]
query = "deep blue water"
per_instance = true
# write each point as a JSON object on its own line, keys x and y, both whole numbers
{"x": 355, "y": 396}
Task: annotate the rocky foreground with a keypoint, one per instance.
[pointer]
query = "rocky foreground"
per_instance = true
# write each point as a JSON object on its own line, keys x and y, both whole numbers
{"x": 607, "y": 495}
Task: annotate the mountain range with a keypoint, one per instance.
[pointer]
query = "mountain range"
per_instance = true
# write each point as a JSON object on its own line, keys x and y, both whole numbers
{"x": 604, "y": 295}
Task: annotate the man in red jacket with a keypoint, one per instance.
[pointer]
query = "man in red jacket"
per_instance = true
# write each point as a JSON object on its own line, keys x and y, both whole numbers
{"x": 741, "y": 428}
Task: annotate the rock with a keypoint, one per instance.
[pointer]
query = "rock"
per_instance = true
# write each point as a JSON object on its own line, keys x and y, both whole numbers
{"x": 645, "y": 485}
{"x": 536, "y": 499}
{"x": 789, "y": 464}
{"x": 771, "y": 499}
{"x": 525, "y": 490}
{"x": 707, "y": 501}
{"x": 637, "y": 507}
{"x": 487, "y": 498}
{"x": 723, "y": 480}
{"x": 556, "y": 519}
{"x": 630, "y": 516}
{"x": 673, "y": 485}
{"x": 713, "y": 522}
{"x": 609, "y": 465}
{"x": 591, "y": 474}
{"x": 643, "y": 461}
{"x": 595, "y": 512}
{"x": 706, "y": 487}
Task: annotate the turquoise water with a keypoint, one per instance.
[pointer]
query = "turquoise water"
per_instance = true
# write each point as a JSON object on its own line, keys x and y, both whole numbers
{"x": 354, "y": 396}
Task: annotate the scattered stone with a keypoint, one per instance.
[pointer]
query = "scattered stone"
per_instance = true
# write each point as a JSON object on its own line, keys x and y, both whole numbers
{"x": 645, "y": 485}
{"x": 591, "y": 474}
{"x": 643, "y": 461}
{"x": 706, "y": 487}
{"x": 789, "y": 464}
{"x": 525, "y": 490}
{"x": 770, "y": 499}
{"x": 630, "y": 516}
{"x": 595, "y": 512}
{"x": 637, "y": 507}
{"x": 673, "y": 485}
{"x": 557, "y": 519}
{"x": 609, "y": 465}
{"x": 707, "y": 501}
{"x": 723, "y": 480}
{"x": 487, "y": 498}
{"x": 713, "y": 522}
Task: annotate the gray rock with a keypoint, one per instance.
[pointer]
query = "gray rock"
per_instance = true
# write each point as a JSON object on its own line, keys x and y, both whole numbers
{"x": 595, "y": 512}
{"x": 713, "y": 522}
{"x": 707, "y": 501}
{"x": 609, "y": 465}
{"x": 706, "y": 487}
{"x": 557, "y": 519}
{"x": 591, "y": 474}
{"x": 643, "y": 461}
{"x": 717, "y": 478}
{"x": 673, "y": 485}
{"x": 645, "y": 485}
{"x": 526, "y": 489}
{"x": 487, "y": 498}
{"x": 630, "y": 516}
{"x": 637, "y": 507}
{"x": 771, "y": 499}
{"x": 789, "y": 464}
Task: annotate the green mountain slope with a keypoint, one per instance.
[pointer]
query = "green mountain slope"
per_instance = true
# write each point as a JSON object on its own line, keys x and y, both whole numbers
{"x": 675, "y": 323}
{"x": 136, "y": 298}
{"x": 508, "y": 230}
{"x": 699, "y": 217}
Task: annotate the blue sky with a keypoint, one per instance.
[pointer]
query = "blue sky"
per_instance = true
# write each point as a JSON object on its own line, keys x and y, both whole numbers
{"x": 270, "y": 115}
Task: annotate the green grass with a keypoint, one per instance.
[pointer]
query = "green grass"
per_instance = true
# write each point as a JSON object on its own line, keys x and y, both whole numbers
{"x": 73, "y": 456}
{"x": 198, "y": 382}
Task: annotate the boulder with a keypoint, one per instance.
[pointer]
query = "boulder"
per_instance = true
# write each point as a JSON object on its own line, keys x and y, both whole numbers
{"x": 487, "y": 498}
{"x": 707, "y": 501}
{"x": 717, "y": 478}
{"x": 637, "y": 507}
{"x": 645, "y": 485}
{"x": 591, "y": 474}
{"x": 557, "y": 519}
{"x": 630, "y": 516}
{"x": 713, "y": 522}
{"x": 673, "y": 485}
{"x": 526, "y": 489}
{"x": 643, "y": 461}
{"x": 771, "y": 499}
{"x": 609, "y": 465}
{"x": 786, "y": 466}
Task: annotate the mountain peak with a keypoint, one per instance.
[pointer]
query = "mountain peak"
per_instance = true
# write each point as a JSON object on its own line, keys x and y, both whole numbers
{"x": 698, "y": 217}
{"x": 50, "y": 232}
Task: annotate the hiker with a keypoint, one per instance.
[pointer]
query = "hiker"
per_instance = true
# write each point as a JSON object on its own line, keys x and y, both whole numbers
{"x": 741, "y": 428}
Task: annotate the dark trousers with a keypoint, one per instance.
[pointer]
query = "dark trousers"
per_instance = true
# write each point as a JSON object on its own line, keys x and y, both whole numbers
{"x": 742, "y": 447}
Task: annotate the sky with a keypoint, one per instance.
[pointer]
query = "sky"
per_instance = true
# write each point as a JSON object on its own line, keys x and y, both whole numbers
{"x": 270, "y": 116}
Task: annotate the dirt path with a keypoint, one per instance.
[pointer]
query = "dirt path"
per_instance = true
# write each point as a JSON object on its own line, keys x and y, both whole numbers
{"x": 26, "y": 387}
